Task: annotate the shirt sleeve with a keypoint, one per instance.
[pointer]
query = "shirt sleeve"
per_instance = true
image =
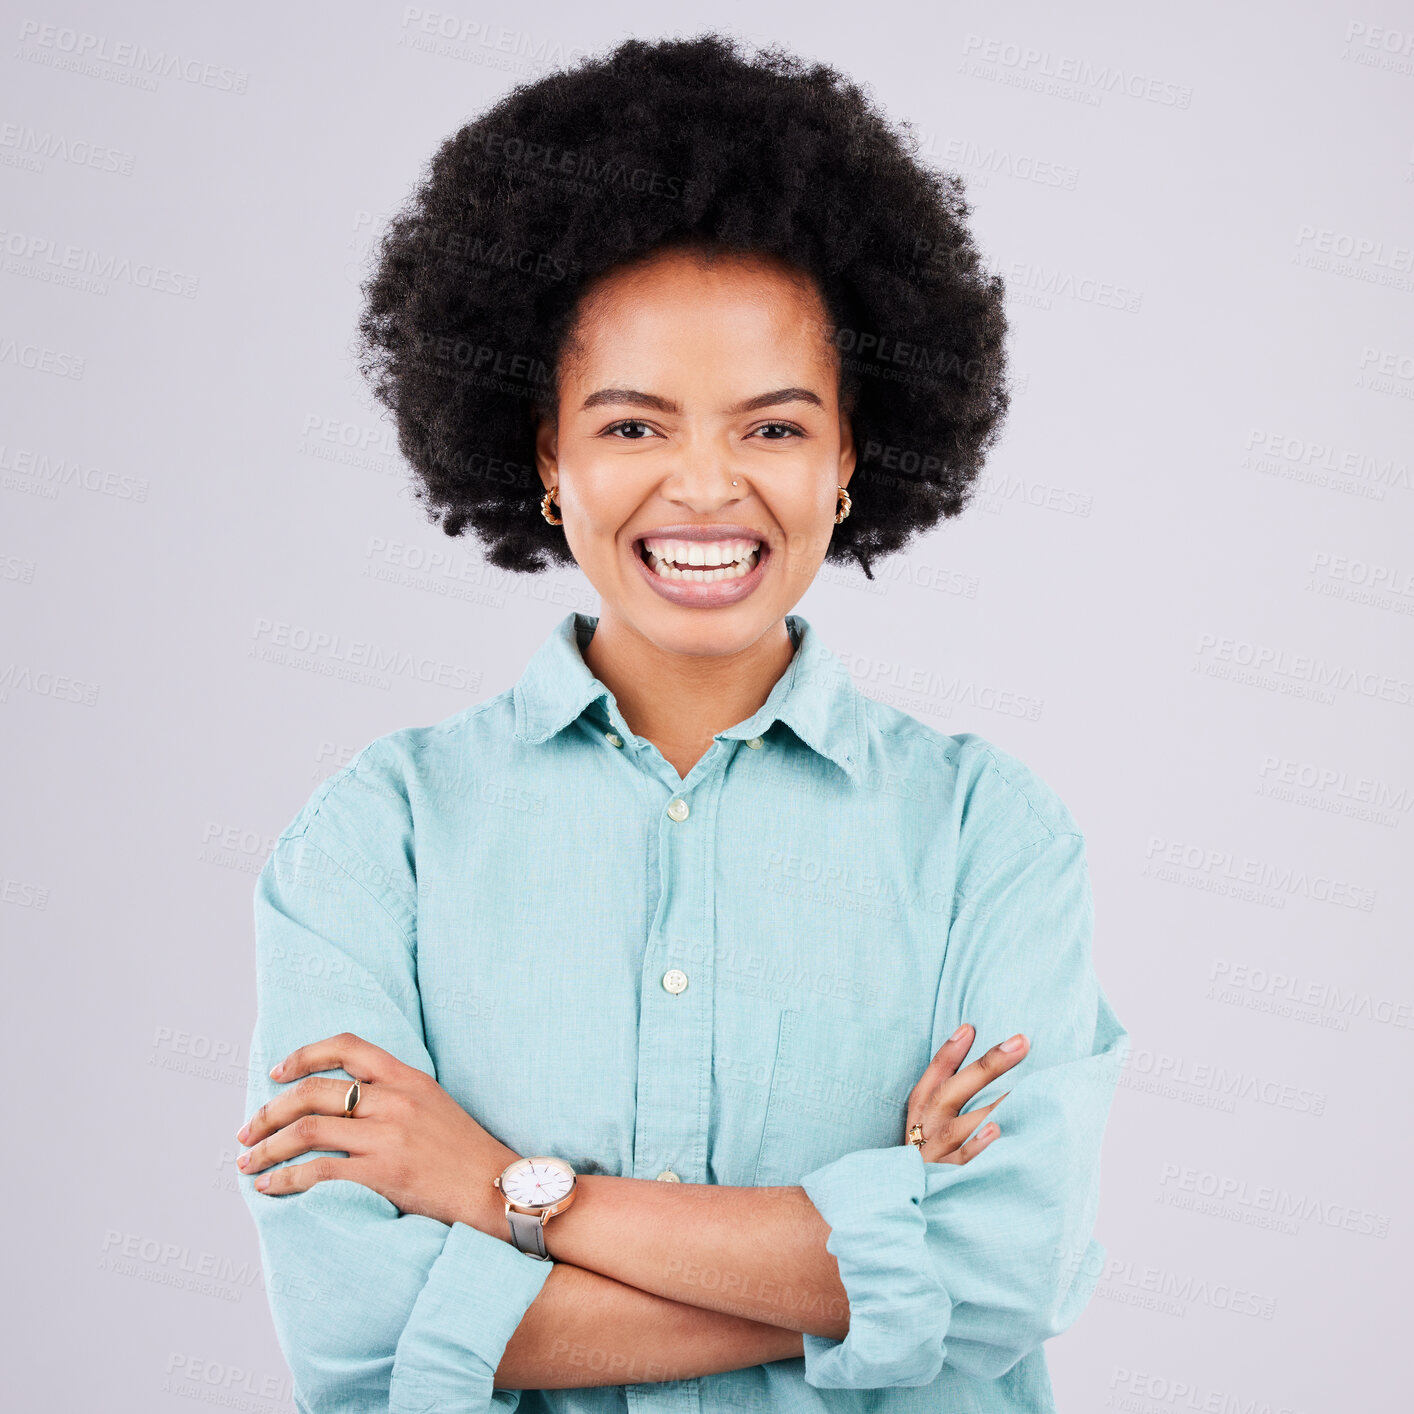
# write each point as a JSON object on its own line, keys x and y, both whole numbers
{"x": 976, "y": 1264}
{"x": 372, "y": 1308}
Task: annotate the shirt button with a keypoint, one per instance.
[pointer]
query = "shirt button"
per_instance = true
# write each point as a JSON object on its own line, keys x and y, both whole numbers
{"x": 675, "y": 980}
{"x": 668, "y": 1176}
{"x": 678, "y": 810}
{"x": 613, "y": 738}
{"x": 755, "y": 743}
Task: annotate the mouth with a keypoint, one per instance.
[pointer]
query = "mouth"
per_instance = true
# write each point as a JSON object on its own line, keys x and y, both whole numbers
{"x": 701, "y": 561}
{"x": 702, "y": 574}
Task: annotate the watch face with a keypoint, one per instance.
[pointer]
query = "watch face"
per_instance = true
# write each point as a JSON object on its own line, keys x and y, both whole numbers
{"x": 536, "y": 1183}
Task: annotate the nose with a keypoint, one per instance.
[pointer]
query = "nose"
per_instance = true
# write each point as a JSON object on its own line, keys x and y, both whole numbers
{"x": 704, "y": 480}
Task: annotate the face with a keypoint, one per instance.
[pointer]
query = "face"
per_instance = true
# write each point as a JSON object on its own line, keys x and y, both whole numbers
{"x": 698, "y": 448}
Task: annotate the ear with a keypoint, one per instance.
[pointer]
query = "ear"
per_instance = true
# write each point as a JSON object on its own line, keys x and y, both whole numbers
{"x": 547, "y": 459}
{"x": 848, "y": 454}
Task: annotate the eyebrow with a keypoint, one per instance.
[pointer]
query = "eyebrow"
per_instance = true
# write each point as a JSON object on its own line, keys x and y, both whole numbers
{"x": 634, "y": 398}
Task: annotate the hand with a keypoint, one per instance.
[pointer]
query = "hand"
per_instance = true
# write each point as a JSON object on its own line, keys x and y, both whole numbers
{"x": 407, "y": 1139}
{"x": 941, "y": 1092}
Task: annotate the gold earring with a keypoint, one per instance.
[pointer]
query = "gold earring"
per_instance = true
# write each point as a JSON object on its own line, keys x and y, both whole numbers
{"x": 842, "y": 505}
{"x": 545, "y": 503}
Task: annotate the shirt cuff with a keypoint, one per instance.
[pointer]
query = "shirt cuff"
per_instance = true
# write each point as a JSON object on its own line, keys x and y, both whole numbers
{"x": 477, "y": 1293}
{"x": 898, "y": 1308}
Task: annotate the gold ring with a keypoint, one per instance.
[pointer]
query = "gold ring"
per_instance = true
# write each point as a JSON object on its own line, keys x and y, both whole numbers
{"x": 351, "y": 1098}
{"x": 915, "y": 1135}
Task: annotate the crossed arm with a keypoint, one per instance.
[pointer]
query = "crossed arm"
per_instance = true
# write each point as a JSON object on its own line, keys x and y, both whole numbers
{"x": 676, "y": 1280}
{"x": 722, "y": 1277}
{"x": 380, "y": 1288}
{"x": 586, "y": 1329}
{"x": 651, "y": 1281}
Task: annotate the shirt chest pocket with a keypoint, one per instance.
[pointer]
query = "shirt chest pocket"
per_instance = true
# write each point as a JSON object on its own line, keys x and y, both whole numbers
{"x": 836, "y": 1086}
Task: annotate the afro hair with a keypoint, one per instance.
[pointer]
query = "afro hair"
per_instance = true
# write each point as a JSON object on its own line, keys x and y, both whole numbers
{"x": 472, "y": 295}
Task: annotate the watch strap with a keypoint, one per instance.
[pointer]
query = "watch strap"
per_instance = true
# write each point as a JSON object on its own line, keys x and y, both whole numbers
{"x": 528, "y": 1233}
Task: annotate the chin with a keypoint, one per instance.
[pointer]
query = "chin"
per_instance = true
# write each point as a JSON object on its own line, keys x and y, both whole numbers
{"x": 717, "y": 632}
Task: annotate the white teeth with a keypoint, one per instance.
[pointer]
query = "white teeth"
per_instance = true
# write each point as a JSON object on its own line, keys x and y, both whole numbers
{"x": 702, "y": 552}
{"x": 721, "y": 559}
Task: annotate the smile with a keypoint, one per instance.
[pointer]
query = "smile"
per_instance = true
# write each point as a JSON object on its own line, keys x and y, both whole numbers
{"x": 702, "y": 574}
{"x": 700, "y": 561}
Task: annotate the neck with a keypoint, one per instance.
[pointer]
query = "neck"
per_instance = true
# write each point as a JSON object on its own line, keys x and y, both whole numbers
{"x": 680, "y": 701}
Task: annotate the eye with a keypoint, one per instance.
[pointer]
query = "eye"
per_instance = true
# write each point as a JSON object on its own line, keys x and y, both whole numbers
{"x": 789, "y": 429}
{"x": 615, "y": 427}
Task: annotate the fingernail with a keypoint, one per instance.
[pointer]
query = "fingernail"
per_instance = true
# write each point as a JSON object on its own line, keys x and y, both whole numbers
{"x": 245, "y": 1131}
{"x": 1014, "y": 1044}
{"x": 276, "y": 1069}
{"x": 992, "y": 1131}
{"x": 959, "y": 1033}
{"x": 263, "y": 1181}
{"x": 242, "y": 1160}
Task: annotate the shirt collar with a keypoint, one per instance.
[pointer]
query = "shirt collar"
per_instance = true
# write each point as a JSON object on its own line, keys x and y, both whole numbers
{"x": 815, "y": 696}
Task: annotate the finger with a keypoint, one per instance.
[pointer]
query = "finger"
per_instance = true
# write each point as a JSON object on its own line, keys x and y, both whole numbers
{"x": 946, "y": 1059}
{"x": 312, "y": 1131}
{"x": 313, "y": 1095}
{"x": 976, "y": 1144}
{"x": 968, "y": 1122}
{"x": 354, "y": 1054}
{"x": 956, "y": 1091}
{"x": 945, "y": 1132}
{"x": 299, "y": 1178}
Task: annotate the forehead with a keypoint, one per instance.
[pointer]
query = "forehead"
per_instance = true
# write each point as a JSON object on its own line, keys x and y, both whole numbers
{"x": 683, "y": 301}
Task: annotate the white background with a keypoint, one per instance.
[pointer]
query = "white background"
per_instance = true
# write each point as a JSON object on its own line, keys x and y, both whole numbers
{"x": 1191, "y": 552}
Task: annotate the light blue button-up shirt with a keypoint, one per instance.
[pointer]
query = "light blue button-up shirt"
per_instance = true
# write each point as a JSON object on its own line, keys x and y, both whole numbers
{"x": 500, "y": 899}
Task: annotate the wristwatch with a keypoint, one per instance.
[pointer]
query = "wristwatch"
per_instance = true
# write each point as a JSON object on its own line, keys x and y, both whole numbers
{"x": 535, "y": 1190}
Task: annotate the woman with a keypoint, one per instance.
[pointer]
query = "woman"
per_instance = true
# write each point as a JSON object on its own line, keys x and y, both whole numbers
{"x": 642, "y": 1031}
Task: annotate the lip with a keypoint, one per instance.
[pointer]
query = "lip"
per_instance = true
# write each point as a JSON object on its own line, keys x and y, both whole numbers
{"x": 703, "y": 532}
{"x": 692, "y": 593}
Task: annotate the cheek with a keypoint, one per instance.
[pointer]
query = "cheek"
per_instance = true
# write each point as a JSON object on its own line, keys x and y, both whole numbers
{"x": 600, "y": 499}
{"x": 808, "y": 515}
{"x": 806, "y": 522}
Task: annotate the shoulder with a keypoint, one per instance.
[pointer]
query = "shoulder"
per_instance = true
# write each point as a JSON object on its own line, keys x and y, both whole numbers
{"x": 1010, "y": 793}
{"x": 991, "y": 801}
{"x": 368, "y": 807}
